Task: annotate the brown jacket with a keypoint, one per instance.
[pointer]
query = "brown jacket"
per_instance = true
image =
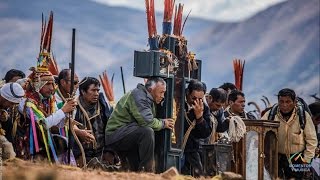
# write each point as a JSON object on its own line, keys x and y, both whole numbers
{"x": 293, "y": 139}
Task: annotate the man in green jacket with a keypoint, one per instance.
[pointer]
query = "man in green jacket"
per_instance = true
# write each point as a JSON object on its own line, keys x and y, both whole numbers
{"x": 130, "y": 129}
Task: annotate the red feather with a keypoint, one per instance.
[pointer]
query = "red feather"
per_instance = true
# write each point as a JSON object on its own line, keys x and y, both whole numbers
{"x": 53, "y": 67}
{"x": 107, "y": 86}
{"x": 238, "y": 67}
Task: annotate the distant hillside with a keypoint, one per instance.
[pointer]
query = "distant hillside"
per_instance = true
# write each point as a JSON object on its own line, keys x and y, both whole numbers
{"x": 280, "y": 45}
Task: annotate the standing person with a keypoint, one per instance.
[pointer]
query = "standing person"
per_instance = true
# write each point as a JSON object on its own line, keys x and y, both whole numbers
{"x": 297, "y": 136}
{"x": 93, "y": 113}
{"x": 130, "y": 129}
{"x": 197, "y": 126}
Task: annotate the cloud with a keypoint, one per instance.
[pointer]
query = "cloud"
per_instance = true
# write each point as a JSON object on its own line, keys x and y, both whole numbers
{"x": 221, "y": 10}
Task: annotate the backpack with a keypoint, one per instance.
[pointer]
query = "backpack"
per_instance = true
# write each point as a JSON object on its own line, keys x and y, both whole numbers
{"x": 302, "y": 108}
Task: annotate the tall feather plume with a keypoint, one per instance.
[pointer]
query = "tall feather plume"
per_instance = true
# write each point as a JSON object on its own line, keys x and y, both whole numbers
{"x": 151, "y": 21}
{"x": 46, "y": 41}
{"x": 154, "y": 29}
{"x": 46, "y": 61}
{"x": 168, "y": 10}
{"x": 50, "y": 27}
{"x": 107, "y": 86}
{"x": 178, "y": 20}
{"x": 53, "y": 66}
{"x": 148, "y": 17}
{"x": 238, "y": 67}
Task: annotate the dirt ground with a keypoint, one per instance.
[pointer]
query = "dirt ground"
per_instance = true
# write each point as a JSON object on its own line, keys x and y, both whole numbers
{"x": 21, "y": 170}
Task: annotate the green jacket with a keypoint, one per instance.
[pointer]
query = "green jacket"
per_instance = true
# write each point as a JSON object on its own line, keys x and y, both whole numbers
{"x": 135, "y": 106}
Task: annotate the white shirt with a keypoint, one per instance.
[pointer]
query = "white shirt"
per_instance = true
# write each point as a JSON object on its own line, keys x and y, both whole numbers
{"x": 55, "y": 119}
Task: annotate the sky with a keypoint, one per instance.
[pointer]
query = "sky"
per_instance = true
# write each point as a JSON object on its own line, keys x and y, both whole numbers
{"x": 219, "y": 10}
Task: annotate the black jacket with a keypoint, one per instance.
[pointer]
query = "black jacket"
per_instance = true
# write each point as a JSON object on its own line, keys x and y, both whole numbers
{"x": 201, "y": 130}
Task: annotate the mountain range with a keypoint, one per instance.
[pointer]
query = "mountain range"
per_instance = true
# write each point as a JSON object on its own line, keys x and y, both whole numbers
{"x": 280, "y": 45}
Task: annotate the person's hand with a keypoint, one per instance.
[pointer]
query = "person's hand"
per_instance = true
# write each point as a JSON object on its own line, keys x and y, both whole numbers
{"x": 198, "y": 108}
{"x": 168, "y": 123}
{"x": 85, "y": 135}
{"x": 69, "y": 106}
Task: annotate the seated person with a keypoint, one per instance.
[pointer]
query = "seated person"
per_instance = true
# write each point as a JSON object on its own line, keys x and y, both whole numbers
{"x": 130, "y": 129}
{"x": 93, "y": 113}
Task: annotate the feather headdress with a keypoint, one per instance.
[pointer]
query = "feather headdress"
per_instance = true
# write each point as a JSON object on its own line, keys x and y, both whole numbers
{"x": 41, "y": 73}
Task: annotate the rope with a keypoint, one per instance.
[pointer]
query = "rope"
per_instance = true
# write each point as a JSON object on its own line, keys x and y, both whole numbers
{"x": 237, "y": 128}
{"x": 86, "y": 115}
{"x": 83, "y": 155}
{"x": 214, "y": 121}
{"x": 192, "y": 124}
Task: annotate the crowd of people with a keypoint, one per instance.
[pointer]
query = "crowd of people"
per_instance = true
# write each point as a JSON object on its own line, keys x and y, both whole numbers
{"x": 34, "y": 112}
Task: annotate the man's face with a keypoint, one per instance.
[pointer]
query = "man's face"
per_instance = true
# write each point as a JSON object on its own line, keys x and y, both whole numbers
{"x": 157, "y": 93}
{"x": 66, "y": 83}
{"x": 286, "y": 104}
{"x": 214, "y": 105}
{"x": 195, "y": 95}
{"x": 238, "y": 105}
{"x": 91, "y": 96}
{"x": 48, "y": 89}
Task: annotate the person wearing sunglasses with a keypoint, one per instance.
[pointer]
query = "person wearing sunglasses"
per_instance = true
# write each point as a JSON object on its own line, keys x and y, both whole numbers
{"x": 64, "y": 83}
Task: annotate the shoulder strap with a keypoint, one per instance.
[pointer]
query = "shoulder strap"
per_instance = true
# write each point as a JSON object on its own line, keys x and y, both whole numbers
{"x": 273, "y": 112}
{"x": 302, "y": 116}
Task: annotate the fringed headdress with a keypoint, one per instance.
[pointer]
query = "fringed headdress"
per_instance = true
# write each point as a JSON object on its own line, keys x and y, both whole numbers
{"x": 41, "y": 73}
